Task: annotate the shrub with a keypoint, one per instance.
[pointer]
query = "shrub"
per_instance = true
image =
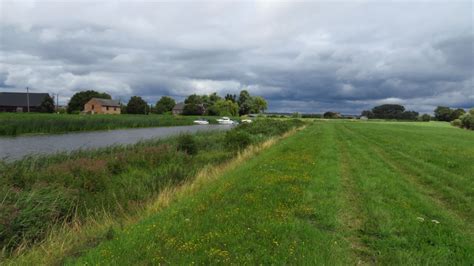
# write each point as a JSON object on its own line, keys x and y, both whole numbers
{"x": 187, "y": 144}
{"x": 467, "y": 120}
{"x": 237, "y": 139}
{"x": 456, "y": 123}
{"x": 425, "y": 117}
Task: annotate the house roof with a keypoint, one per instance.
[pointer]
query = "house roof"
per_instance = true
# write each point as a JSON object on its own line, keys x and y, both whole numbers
{"x": 179, "y": 106}
{"x": 107, "y": 102}
{"x": 20, "y": 99}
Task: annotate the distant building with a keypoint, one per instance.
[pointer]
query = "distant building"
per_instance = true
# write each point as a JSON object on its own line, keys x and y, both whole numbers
{"x": 178, "y": 109}
{"x": 364, "y": 118}
{"x": 19, "y": 101}
{"x": 102, "y": 106}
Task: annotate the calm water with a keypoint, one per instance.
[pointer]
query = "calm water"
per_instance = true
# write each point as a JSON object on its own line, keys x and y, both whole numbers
{"x": 14, "y": 148}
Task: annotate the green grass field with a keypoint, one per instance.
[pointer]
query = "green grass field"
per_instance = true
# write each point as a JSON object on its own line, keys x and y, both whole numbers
{"x": 338, "y": 192}
{"x": 12, "y": 124}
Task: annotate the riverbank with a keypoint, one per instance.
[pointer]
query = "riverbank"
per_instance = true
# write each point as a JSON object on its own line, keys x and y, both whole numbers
{"x": 13, "y": 124}
{"x": 44, "y": 196}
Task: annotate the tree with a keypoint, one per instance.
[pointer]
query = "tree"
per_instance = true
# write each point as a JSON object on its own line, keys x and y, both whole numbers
{"x": 208, "y": 100}
{"x": 331, "y": 115}
{"x": 259, "y": 104}
{"x": 443, "y": 113}
{"x": 231, "y": 97}
{"x": 136, "y": 105}
{"x": 194, "y": 99}
{"x": 425, "y": 117}
{"x": 467, "y": 120}
{"x": 455, "y": 114}
{"x": 165, "y": 104}
{"x": 224, "y": 108}
{"x": 193, "y": 109}
{"x": 78, "y": 100}
{"x": 213, "y": 98}
{"x": 193, "y": 105}
{"x": 367, "y": 113}
{"x": 245, "y": 102}
{"x": 409, "y": 115}
{"x": 47, "y": 105}
{"x": 388, "y": 111}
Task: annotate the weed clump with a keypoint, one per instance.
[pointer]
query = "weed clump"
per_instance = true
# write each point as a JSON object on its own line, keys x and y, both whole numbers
{"x": 237, "y": 139}
{"x": 187, "y": 144}
{"x": 456, "y": 123}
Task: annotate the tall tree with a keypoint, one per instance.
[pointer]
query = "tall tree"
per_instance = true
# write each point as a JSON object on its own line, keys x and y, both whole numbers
{"x": 78, "y": 100}
{"x": 224, "y": 108}
{"x": 443, "y": 113}
{"x": 213, "y": 98}
{"x": 136, "y": 105}
{"x": 193, "y": 105}
{"x": 165, "y": 104}
{"x": 231, "y": 97}
{"x": 388, "y": 111}
{"x": 245, "y": 102}
{"x": 367, "y": 113}
{"x": 455, "y": 114}
{"x": 47, "y": 105}
{"x": 259, "y": 104}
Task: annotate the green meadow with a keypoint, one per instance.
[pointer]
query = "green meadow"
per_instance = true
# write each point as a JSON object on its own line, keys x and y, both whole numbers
{"x": 338, "y": 192}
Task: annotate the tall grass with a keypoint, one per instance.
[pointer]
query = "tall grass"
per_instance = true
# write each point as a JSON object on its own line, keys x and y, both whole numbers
{"x": 12, "y": 124}
{"x": 39, "y": 194}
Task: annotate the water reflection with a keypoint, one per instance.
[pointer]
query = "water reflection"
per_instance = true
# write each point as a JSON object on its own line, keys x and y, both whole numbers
{"x": 14, "y": 148}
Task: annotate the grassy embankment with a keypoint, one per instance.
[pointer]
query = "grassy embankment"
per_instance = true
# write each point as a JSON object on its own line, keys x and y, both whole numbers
{"x": 336, "y": 193}
{"x": 12, "y": 124}
{"x": 43, "y": 198}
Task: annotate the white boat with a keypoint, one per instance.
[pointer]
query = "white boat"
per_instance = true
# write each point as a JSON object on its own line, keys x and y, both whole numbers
{"x": 247, "y": 121}
{"x": 225, "y": 121}
{"x": 201, "y": 122}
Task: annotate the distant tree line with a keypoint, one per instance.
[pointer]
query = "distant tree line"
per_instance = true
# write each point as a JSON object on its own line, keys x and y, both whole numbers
{"x": 390, "y": 111}
{"x": 230, "y": 105}
{"x": 194, "y": 104}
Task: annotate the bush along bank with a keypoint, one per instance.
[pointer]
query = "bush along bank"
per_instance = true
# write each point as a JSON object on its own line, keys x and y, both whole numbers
{"x": 41, "y": 193}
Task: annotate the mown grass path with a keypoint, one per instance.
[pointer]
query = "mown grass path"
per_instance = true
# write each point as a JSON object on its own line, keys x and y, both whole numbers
{"x": 334, "y": 193}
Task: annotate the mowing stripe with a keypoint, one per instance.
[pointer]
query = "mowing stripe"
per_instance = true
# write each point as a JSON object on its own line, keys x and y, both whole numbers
{"x": 433, "y": 183}
{"x": 352, "y": 216}
{"x": 393, "y": 207}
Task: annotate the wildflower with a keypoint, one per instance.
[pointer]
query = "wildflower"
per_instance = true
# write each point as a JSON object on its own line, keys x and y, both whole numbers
{"x": 421, "y": 219}
{"x": 435, "y": 221}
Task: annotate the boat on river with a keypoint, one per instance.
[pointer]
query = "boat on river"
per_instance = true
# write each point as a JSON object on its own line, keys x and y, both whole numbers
{"x": 225, "y": 121}
{"x": 201, "y": 121}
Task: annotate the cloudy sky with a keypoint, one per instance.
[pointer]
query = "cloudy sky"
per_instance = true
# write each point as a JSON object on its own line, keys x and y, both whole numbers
{"x": 301, "y": 56}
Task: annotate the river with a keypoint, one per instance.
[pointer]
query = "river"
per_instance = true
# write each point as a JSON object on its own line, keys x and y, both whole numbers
{"x": 15, "y": 148}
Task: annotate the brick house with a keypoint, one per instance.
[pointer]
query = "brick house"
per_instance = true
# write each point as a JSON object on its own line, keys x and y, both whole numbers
{"x": 102, "y": 106}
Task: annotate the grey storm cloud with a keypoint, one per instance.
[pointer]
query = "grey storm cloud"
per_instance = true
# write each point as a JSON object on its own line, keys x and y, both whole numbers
{"x": 301, "y": 56}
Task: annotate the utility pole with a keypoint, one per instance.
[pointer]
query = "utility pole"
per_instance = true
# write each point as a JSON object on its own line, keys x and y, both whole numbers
{"x": 28, "y": 98}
